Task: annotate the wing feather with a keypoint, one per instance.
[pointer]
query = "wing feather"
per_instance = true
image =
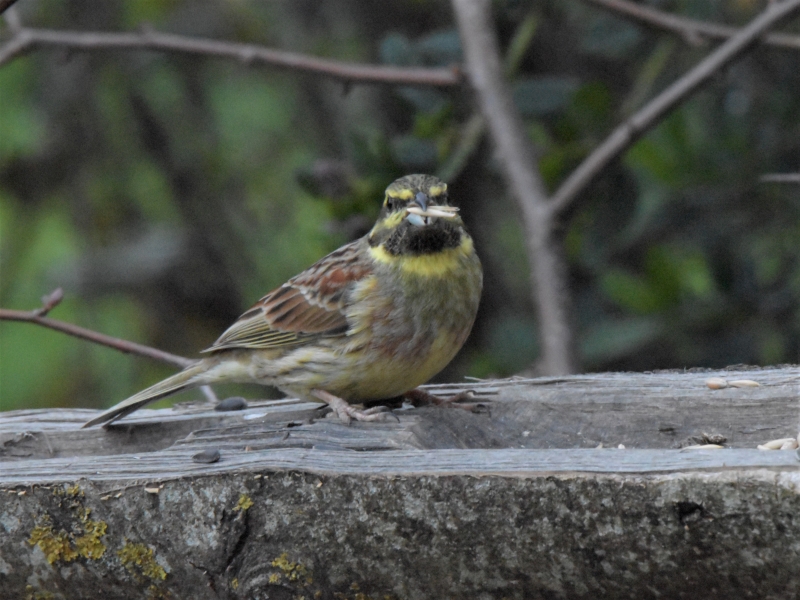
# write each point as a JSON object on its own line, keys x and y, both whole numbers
{"x": 308, "y": 306}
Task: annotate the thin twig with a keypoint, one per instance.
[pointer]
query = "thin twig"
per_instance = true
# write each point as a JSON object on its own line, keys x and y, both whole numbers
{"x": 517, "y": 159}
{"x": 649, "y": 115}
{"x": 51, "y": 300}
{"x": 691, "y": 30}
{"x": 780, "y": 178}
{"x": 38, "y": 316}
{"x": 26, "y": 39}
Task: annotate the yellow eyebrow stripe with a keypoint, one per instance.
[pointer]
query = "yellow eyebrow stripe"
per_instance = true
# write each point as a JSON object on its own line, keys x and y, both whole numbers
{"x": 400, "y": 194}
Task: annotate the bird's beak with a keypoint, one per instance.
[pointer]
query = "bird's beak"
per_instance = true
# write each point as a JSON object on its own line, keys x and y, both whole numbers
{"x": 421, "y": 200}
{"x": 421, "y": 212}
{"x": 417, "y": 212}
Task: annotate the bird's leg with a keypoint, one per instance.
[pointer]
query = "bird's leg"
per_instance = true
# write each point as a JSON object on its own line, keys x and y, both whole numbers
{"x": 345, "y": 411}
{"x": 419, "y": 397}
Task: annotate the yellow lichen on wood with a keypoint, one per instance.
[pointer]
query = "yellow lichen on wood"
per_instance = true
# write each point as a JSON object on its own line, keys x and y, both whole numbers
{"x": 68, "y": 546}
{"x": 30, "y": 594}
{"x": 89, "y": 544}
{"x": 55, "y": 545}
{"x": 74, "y": 490}
{"x": 141, "y": 556}
{"x": 293, "y": 571}
{"x": 244, "y": 503}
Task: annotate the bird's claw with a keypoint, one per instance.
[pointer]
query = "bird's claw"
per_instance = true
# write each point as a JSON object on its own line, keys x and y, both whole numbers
{"x": 346, "y": 412}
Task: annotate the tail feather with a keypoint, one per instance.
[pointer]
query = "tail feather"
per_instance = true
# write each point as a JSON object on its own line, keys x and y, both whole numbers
{"x": 187, "y": 378}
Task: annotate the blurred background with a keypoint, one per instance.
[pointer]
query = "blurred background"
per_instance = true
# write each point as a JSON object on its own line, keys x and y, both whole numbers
{"x": 166, "y": 193}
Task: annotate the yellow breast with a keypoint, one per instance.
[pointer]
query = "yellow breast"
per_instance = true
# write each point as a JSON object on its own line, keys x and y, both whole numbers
{"x": 427, "y": 265}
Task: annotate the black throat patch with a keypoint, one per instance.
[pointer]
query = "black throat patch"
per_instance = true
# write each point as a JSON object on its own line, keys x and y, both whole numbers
{"x": 409, "y": 239}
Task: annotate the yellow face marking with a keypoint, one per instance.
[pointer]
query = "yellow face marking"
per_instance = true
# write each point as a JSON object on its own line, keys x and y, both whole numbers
{"x": 437, "y": 190}
{"x": 390, "y": 222}
{"x": 426, "y": 265}
{"x": 404, "y": 194}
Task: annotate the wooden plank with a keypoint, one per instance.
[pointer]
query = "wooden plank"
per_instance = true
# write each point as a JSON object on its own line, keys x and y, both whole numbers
{"x": 732, "y": 533}
{"x": 657, "y": 410}
{"x": 177, "y": 462}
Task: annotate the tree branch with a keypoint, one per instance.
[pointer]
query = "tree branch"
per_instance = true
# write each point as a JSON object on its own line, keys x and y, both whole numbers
{"x": 49, "y": 302}
{"x": 5, "y": 5}
{"x": 518, "y": 161}
{"x": 690, "y": 29}
{"x": 516, "y": 156}
{"x": 780, "y": 178}
{"x": 649, "y": 115}
{"x": 26, "y": 39}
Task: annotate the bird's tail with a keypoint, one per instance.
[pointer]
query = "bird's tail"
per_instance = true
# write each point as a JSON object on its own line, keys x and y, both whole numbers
{"x": 190, "y": 377}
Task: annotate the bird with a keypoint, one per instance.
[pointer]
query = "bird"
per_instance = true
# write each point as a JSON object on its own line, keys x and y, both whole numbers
{"x": 372, "y": 320}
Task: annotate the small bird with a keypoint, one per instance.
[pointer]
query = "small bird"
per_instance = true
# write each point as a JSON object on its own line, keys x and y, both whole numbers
{"x": 370, "y": 321}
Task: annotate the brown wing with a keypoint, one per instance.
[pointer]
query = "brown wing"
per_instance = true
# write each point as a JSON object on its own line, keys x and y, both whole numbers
{"x": 306, "y": 307}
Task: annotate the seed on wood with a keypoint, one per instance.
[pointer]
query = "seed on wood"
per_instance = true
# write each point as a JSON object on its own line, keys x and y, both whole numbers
{"x": 716, "y": 383}
{"x": 740, "y": 383}
{"x": 777, "y": 444}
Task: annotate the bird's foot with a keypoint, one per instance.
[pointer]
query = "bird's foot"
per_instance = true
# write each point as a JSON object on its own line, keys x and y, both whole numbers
{"x": 347, "y": 412}
{"x": 418, "y": 397}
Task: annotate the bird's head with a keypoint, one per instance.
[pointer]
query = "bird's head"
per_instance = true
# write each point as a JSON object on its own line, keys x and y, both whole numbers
{"x": 416, "y": 218}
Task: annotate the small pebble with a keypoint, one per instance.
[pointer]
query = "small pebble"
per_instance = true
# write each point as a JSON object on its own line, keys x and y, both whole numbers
{"x": 232, "y": 403}
{"x": 714, "y": 438}
{"x": 741, "y": 383}
{"x": 153, "y": 489}
{"x": 716, "y": 383}
{"x": 208, "y": 456}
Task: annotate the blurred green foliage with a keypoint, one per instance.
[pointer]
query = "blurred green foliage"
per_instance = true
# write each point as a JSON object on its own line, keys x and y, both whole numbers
{"x": 165, "y": 193}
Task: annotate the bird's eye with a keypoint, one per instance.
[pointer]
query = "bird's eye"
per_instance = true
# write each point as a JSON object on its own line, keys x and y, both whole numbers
{"x": 390, "y": 203}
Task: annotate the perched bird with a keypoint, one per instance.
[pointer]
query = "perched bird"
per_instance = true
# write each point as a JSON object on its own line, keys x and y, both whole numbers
{"x": 372, "y": 320}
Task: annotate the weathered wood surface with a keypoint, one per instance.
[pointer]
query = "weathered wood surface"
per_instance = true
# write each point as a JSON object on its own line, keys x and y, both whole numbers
{"x": 441, "y": 503}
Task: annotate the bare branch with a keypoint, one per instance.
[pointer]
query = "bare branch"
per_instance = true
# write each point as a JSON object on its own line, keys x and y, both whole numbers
{"x": 691, "y": 30}
{"x": 649, "y": 115}
{"x": 5, "y": 5}
{"x": 37, "y": 316}
{"x": 517, "y": 159}
{"x": 49, "y": 302}
{"x": 27, "y": 39}
{"x": 475, "y": 127}
{"x": 780, "y": 178}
